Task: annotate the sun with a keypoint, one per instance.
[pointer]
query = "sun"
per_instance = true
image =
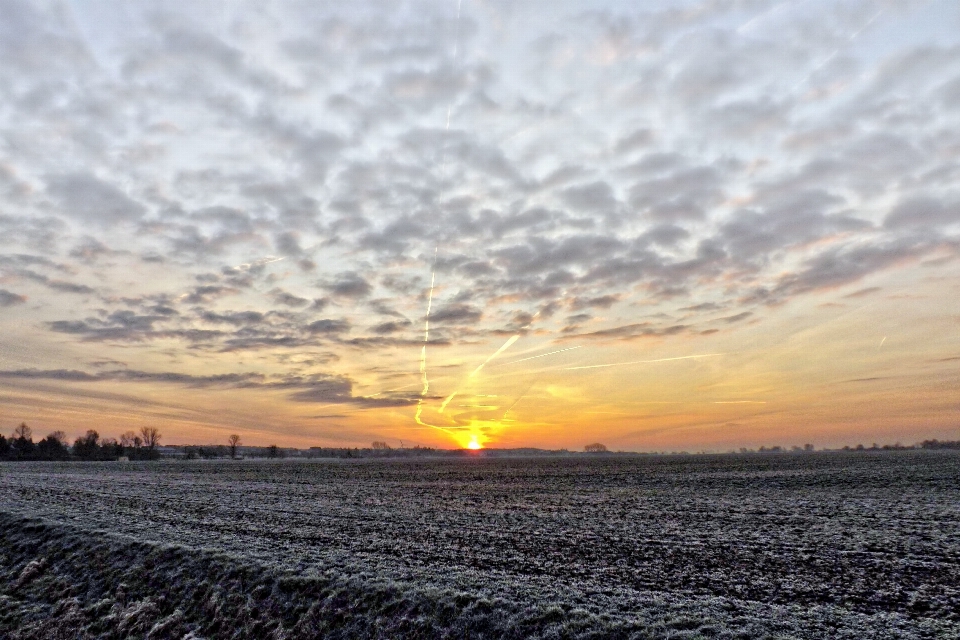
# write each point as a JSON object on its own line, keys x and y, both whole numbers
{"x": 474, "y": 444}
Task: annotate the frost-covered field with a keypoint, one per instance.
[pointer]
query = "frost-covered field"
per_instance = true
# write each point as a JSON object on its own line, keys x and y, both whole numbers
{"x": 808, "y": 545}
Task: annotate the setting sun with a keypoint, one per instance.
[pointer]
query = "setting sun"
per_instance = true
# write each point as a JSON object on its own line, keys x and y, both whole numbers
{"x": 474, "y": 444}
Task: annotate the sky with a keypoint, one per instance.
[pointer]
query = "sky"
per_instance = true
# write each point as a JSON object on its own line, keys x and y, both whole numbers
{"x": 687, "y": 225}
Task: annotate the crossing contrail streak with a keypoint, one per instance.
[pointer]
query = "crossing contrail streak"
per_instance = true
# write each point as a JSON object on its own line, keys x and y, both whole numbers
{"x": 433, "y": 275}
{"x": 621, "y": 364}
{"x": 506, "y": 345}
{"x": 423, "y": 350}
{"x": 542, "y": 355}
{"x": 836, "y": 52}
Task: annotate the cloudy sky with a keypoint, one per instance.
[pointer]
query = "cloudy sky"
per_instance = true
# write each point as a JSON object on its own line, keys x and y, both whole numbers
{"x": 660, "y": 225}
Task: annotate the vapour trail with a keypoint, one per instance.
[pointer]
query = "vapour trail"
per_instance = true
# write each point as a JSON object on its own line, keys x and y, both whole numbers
{"x": 881, "y": 343}
{"x": 433, "y": 275}
{"x": 519, "y": 398}
{"x": 423, "y": 350}
{"x": 620, "y": 364}
{"x": 542, "y": 355}
{"x": 836, "y": 52}
{"x": 506, "y": 345}
{"x": 456, "y": 49}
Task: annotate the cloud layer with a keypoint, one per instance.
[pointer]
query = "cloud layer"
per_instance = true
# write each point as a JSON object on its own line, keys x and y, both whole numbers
{"x": 269, "y": 191}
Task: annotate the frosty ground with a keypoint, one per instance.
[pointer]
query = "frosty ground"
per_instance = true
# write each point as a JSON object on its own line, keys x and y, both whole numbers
{"x": 860, "y": 544}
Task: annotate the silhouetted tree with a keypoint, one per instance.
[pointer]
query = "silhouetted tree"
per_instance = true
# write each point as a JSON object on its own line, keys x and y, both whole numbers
{"x": 22, "y": 442}
{"x": 234, "y": 441}
{"x": 596, "y": 447}
{"x": 22, "y": 432}
{"x": 87, "y": 447}
{"x": 379, "y": 446}
{"x": 110, "y": 449}
{"x": 273, "y": 451}
{"x": 4, "y": 448}
{"x": 53, "y": 447}
{"x": 151, "y": 439}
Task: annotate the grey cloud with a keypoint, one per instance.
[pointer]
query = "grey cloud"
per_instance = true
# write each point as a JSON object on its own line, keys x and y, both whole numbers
{"x": 923, "y": 212}
{"x": 598, "y": 302}
{"x": 316, "y": 388}
{"x": 9, "y": 299}
{"x": 595, "y": 198}
{"x": 541, "y": 255}
{"x": 93, "y": 201}
{"x": 206, "y": 293}
{"x": 328, "y": 326}
{"x": 51, "y": 374}
{"x": 392, "y": 326}
{"x": 288, "y": 243}
{"x": 844, "y": 265}
{"x": 52, "y": 283}
{"x": 639, "y": 139}
{"x": 736, "y": 317}
{"x": 457, "y": 313}
{"x": 703, "y": 306}
{"x": 237, "y": 318}
{"x": 666, "y": 235}
{"x": 69, "y": 287}
{"x": 632, "y": 332}
{"x": 860, "y": 293}
{"x": 90, "y": 250}
{"x": 348, "y": 284}
{"x": 339, "y": 390}
{"x": 790, "y": 220}
{"x": 288, "y": 299}
{"x": 680, "y": 195}
{"x": 40, "y": 233}
{"x": 383, "y": 308}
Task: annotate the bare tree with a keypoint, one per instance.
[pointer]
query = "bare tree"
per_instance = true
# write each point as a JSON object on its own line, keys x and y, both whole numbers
{"x": 22, "y": 432}
{"x": 128, "y": 440}
{"x": 379, "y": 445}
{"x": 151, "y": 437}
{"x": 58, "y": 436}
{"x": 596, "y": 447}
{"x": 234, "y": 441}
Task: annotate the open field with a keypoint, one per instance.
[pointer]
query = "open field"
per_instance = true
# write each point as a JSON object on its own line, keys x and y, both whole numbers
{"x": 807, "y": 545}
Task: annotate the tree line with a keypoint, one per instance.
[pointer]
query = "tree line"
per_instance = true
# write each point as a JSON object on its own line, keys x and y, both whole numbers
{"x": 132, "y": 445}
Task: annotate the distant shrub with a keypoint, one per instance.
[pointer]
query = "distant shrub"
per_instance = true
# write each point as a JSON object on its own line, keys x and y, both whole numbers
{"x": 940, "y": 444}
{"x": 596, "y": 447}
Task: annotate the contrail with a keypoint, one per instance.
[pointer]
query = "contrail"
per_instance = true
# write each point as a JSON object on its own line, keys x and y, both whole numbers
{"x": 380, "y": 393}
{"x": 620, "y": 364}
{"x": 423, "y": 350}
{"x": 542, "y": 355}
{"x": 837, "y": 51}
{"x": 506, "y": 345}
{"x": 456, "y": 49}
{"x": 433, "y": 275}
{"x": 881, "y": 343}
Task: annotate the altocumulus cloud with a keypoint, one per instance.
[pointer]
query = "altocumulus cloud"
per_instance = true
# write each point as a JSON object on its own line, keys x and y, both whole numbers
{"x": 183, "y": 181}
